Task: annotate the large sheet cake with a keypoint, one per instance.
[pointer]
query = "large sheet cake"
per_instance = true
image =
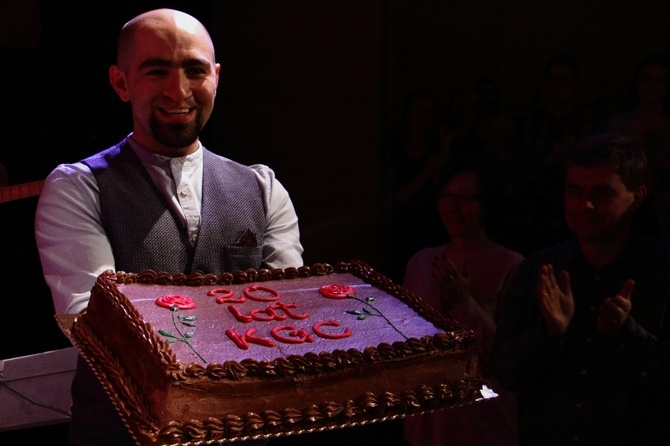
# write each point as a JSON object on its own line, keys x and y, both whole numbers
{"x": 252, "y": 354}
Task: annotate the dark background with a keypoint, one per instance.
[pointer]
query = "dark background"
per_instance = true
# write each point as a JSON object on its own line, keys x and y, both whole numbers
{"x": 311, "y": 88}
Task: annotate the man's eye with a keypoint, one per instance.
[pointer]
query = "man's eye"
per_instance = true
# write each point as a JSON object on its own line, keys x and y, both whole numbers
{"x": 604, "y": 194}
{"x": 156, "y": 72}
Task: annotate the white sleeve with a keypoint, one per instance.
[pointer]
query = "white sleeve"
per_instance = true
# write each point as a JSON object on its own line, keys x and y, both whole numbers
{"x": 72, "y": 244}
{"x": 281, "y": 243}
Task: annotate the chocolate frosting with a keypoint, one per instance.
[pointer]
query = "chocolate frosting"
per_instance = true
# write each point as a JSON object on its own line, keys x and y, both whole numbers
{"x": 368, "y": 407}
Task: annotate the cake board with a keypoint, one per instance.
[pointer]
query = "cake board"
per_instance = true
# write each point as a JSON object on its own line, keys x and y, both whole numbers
{"x": 35, "y": 389}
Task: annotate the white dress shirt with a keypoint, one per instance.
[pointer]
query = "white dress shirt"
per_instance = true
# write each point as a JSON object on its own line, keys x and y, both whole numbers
{"x": 73, "y": 246}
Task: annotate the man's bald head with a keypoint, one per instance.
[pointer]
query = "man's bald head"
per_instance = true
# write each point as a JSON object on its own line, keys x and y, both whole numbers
{"x": 159, "y": 21}
{"x": 166, "y": 70}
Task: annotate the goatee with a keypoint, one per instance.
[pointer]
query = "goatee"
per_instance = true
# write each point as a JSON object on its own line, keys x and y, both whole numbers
{"x": 176, "y": 136}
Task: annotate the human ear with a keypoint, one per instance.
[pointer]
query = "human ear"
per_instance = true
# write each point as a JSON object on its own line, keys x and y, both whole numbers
{"x": 217, "y": 71}
{"x": 640, "y": 194}
{"x": 118, "y": 80}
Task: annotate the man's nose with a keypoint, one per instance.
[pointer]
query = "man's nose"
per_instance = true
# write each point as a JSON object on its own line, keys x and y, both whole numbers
{"x": 178, "y": 87}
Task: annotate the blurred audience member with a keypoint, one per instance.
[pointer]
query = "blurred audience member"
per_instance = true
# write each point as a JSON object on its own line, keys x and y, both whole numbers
{"x": 464, "y": 279}
{"x": 556, "y": 122}
{"x": 497, "y": 130}
{"x": 647, "y": 121}
{"x": 459, "y": 131}
{"x": 418, "y": 160}
{"x": 648, "y": 117}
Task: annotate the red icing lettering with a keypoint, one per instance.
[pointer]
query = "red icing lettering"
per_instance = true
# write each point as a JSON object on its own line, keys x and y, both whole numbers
{"x": 266, "y": 314}
{"x": 286, "y": 308}
{"x": 226, "y": 296}
{"x": 317, "y": 329}
{"x": 336, "y": 291}
{"x": 271, "y": 315}
{"x": 175, "y": 300}
{"x": 274, "y": 295}
{"x": 239, "y": 316}
{"x": 242, "y": 341}
{"x": 295, "y": 336}
{"x": 237, "y": 338}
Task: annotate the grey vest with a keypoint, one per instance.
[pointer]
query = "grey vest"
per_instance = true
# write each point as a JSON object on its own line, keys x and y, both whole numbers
{"x": 144, "y": 233}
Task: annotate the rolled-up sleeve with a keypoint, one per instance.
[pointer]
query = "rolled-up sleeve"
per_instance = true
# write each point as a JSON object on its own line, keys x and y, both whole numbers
{"x": 281, "y": 242}
{"x": 72, "y": 244}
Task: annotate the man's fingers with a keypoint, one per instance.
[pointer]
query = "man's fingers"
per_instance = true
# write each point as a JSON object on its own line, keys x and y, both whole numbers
{"x": 564, "y": 282}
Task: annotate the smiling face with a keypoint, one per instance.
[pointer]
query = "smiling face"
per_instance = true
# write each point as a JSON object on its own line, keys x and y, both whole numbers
{"x": 598, "y": 206}
{"x": 168, "y": 74}
{"x": 460, "y": 206}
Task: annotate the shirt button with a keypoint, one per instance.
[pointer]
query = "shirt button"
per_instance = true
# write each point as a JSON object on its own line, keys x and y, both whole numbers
{"x": 584, "y": 373}
{"x": 183, "y": 192}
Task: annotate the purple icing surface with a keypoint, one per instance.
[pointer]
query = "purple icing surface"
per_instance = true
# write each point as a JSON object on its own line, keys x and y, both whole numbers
{"x": 212, "y": 319}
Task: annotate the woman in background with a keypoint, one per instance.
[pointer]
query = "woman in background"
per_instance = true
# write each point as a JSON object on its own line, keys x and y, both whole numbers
{"x": 464, "y": 279}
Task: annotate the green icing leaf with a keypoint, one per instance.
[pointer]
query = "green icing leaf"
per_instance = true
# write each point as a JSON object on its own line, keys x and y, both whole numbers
{"x": 186, "y": 321}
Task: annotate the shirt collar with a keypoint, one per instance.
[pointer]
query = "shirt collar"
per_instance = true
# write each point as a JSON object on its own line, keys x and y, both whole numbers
{"x": 150, "y": 158}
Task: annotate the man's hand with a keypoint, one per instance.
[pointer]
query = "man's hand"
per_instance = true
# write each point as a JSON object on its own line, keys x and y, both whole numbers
{"x": 614, "y": 311}
{"x": 555, "y": 300}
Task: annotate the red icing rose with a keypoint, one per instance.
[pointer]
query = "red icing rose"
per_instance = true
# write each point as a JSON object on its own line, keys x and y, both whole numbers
{"x": 175, "y": 300}
{"x": 336, "y": 291}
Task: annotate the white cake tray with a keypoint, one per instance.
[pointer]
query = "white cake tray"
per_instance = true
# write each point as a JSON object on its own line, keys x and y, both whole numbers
{"x": 35, "y": 389}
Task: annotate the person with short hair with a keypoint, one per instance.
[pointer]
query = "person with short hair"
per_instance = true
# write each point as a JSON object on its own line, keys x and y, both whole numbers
{"x": 585, "y": 324}
{"x": 159, "y": 199}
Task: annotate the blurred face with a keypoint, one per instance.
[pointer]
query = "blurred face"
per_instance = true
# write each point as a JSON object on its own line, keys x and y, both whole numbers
{"x": 598, "y": 206}
{"x": 421, "y": 118}
{"x": 459, "y": 206}
{"x": 559, "y": 84}
{"x": 466, "y": 110}
{"x": 169, "y": 76}
{"x": 652, "y": 85}
{"x": 488, "y": 96}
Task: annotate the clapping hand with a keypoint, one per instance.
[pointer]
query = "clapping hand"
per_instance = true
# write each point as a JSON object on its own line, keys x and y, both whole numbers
{"x": 555, "y": 300}
{"x": 454, "y": 286}
{"x": 614, "y": 311}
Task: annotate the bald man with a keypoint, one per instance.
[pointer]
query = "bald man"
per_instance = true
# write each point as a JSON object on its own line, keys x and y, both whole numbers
{"x": 140, "y": 204}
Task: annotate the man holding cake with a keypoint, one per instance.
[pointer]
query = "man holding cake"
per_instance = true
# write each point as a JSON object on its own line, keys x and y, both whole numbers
{"x": 158, "y": 199}
{"x": 584, "y": 330}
